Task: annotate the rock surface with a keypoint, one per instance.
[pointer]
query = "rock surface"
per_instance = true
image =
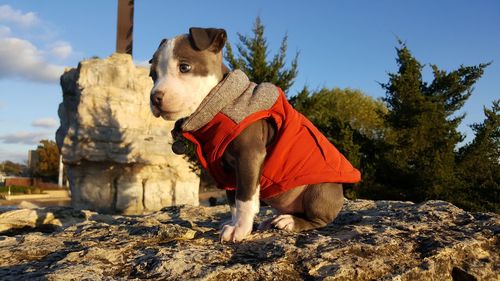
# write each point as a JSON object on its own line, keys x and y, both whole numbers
{"x": 118, "y": 154}
{"x": 370, "y": 240}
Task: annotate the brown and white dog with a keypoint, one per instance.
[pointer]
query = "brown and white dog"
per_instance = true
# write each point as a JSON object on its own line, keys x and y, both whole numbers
{"x": 185, "y": 69}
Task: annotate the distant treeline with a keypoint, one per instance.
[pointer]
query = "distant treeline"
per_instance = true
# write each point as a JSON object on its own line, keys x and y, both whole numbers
{"x": 45, "y": 165}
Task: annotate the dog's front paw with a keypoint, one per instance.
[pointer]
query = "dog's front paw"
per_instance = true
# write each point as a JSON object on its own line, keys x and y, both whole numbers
{"x": 234, "y": 233}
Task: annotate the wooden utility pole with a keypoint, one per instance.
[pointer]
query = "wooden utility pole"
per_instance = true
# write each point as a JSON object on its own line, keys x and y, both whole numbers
{"x": 125, "y": 27}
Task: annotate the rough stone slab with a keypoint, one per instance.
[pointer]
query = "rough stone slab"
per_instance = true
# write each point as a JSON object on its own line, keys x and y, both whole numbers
{"x": 370, "y": 240}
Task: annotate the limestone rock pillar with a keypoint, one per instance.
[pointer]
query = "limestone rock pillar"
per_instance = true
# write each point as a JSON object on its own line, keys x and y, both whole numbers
{"x": 118, "y": 155}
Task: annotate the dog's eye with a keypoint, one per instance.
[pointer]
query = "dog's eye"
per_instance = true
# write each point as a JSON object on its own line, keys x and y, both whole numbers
{"x": 184, "y": 68}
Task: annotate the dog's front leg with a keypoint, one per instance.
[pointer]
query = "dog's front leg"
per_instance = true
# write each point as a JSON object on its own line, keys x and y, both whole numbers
{"x": 243, "y": 217}
{"x": 248, "y": 151}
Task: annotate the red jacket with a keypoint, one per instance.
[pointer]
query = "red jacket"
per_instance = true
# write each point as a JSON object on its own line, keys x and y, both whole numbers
{"x": 300, "y": 155}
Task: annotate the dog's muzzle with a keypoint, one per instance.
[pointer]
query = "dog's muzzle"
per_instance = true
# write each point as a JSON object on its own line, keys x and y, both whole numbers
{"x": 179, "y": 146}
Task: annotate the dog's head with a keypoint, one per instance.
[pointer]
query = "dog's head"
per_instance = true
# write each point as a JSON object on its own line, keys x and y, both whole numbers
{"x": 184, "y": 69}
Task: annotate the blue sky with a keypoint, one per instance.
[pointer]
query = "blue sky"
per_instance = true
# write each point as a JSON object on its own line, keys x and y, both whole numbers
{"x": 341, "y": 44}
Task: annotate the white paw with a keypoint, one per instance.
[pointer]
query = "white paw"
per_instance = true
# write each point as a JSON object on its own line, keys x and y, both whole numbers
{"x": 242, "y": 219}
{"x": 234, "y": 233}
{"x": 284, "y": 222}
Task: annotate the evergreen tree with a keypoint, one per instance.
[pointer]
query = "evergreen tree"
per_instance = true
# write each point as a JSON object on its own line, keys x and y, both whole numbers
{"x": 422, "y": 126}
{"x": 252, "y": 59}
{"x": 479, "y": 166}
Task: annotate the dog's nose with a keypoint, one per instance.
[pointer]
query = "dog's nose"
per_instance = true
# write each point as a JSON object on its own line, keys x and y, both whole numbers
{"x": 156, "y": 98}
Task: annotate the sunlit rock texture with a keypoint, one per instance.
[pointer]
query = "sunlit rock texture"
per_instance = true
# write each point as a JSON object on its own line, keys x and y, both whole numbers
{"x": 370, "y": 240}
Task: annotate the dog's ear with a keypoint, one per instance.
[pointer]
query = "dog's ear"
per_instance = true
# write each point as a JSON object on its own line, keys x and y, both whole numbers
{"x": 161, "y": 43}
{"x": 212, "y": 39}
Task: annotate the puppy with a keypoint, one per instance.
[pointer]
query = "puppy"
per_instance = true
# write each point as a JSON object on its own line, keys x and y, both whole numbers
{"x": 250, "y": 139}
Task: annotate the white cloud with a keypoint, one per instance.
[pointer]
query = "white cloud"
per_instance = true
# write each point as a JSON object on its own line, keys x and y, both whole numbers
{"x": 7, "y": 14}
{"x": 4, "y": 31}
{"x": 22, "y": 59}
{"x": 61, "y": 49}
{"x": 45, "y": 123}
{"x": 31, "y": 138}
